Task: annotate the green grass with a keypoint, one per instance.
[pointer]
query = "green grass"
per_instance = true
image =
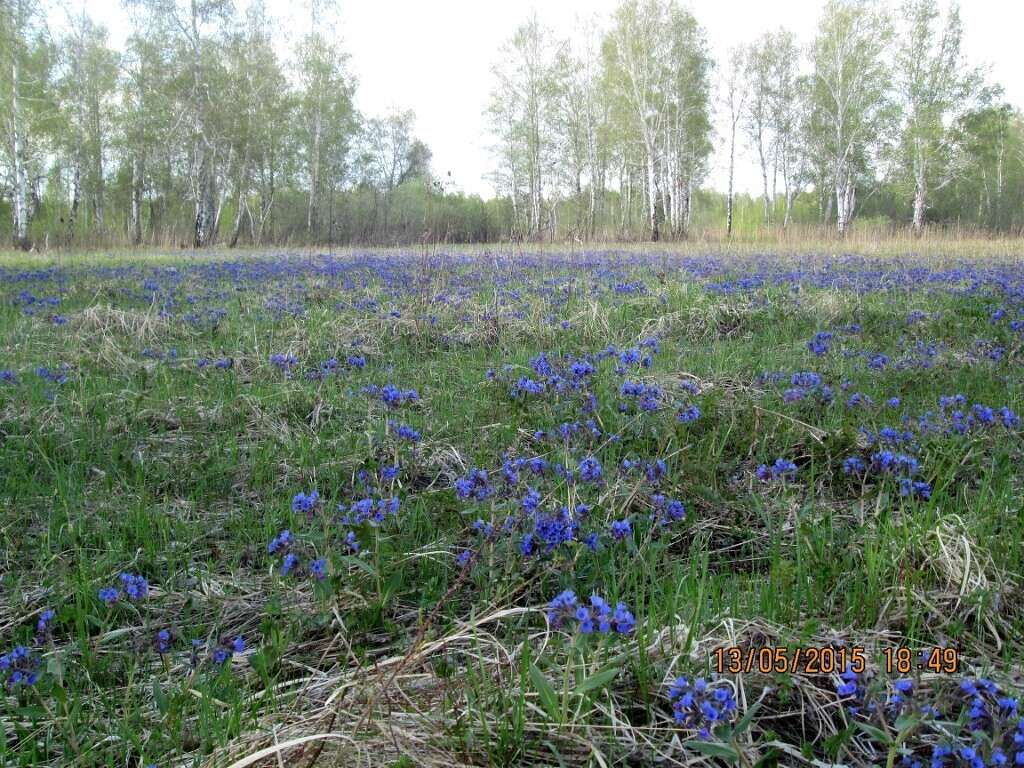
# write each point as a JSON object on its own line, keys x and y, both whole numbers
{"x": 153, "y": 466}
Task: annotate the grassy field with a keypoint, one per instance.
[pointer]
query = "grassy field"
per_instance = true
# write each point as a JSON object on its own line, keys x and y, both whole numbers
{"x": 297, "y": 509}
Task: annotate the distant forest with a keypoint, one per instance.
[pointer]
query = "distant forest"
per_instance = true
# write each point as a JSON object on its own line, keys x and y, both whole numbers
{"x": 202, "y": 132}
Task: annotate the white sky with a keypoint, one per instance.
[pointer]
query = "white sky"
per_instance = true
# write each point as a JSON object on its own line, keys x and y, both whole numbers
{"x": 434, "y": 57}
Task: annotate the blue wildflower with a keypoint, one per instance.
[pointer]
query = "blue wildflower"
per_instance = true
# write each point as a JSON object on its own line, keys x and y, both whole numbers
{"x": 303, "y": 502}
{"x": 781, "y": 469}
{"x": 291, "y": 560}
{"x": 281, "y": 542}
{"x": 162, "y": 641}
{"x": 688, "y": 414}
{"x": 621, "y": 529}
{"x": 19, "y": 667}
{"x": 135, "y": 586}
{"x": 318, "y": 569}
{"x": 701, "y": 706}
{"x": 590, "y": 470}
{"x": 44, "y": 624}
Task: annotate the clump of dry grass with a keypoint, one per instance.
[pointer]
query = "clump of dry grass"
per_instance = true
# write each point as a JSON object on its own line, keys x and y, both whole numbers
{"x": 98, "y": 319}
{"x": 973, "y": 586}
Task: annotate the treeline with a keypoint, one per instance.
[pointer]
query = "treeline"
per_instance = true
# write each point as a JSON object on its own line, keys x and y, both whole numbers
{"x": 199, "y": 132}
{"x": 611, "y": 132}
{"x": 204, "y": 131}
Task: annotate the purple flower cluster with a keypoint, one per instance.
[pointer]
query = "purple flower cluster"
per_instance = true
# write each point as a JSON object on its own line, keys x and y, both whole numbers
{"x": 284, "y": 362}
{"x": 392, "y": 396}
{"x": 220, "y": 363}
{"x": 886, "y": 463}
{"x": 476, "y": 485}
{"x": 19, "y": 667}
{"x": 700, "y": 705}
{"x": 133, "y": 586}
{"x": 369, "y": 510}
{"x": 590, "y": 470}
{"x": 781, "y": 469}
{"x": 404, "y": 431}
{"x": 666, "y": 511}
{"x": 303, "y": 502}
{"x": 222, "y": 652}
{"x": 597, "y": 615}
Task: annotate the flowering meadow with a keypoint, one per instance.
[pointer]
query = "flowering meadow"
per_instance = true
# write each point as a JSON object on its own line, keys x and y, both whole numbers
{"x": 503, "y": 509}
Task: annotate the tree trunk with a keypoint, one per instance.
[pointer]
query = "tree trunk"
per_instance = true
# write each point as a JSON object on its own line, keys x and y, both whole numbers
{"x": 76, "y": 198}
{"x": 136, "y": 204}
{"x": 592, "y": 208}
{"x": 19, "y": 208}
{"x": 204, "y": 220}
{"x": 535, "y": 198}
{"x": 845, "y": 200}
{"x": 240, "y": 208}
{"x": 592, "y": 163}
{"x": 625, "y": 181}
{"x": 997, "y": 218}
{"x": 732, "y": 167}
{"x": 687, "y": 207}
{"x": 314, "y": 176}
{"x": 98, "y": 202}
{"x": 920, "y": 190}
{"x": 787, "y": 190}
{"x": 652, "y": 195}
{"x": 764, "y": 179}
{"x": 667, "y": 207}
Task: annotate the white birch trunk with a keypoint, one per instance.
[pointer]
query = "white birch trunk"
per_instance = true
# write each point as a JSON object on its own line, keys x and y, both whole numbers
{"x": 19, "y": 209}
{"x": 652, "y": 192}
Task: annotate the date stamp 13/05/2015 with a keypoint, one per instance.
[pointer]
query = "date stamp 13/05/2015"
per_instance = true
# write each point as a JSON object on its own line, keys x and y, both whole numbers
{"x": 827, "y": 660}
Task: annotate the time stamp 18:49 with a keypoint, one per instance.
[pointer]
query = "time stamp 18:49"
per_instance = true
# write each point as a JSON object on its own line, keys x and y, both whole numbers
{"x": 828, "y": 660}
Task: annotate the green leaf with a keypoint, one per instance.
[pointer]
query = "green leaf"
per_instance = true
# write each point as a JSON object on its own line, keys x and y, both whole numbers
{"x": 545, "y": 690}
{"x": 55, "y": 669}
{"x": 875, "y": 733}
{"x": 715, "y": 749}
{"x": 598, "y": 680}
{"x": 746, "y": 720}
{"x": 907, "y": 722}
{"x": 359, "y": 563}
{"x": 30, "y": 712}
{"x": 159, "y": 697}
{"x": 58, "y": 692}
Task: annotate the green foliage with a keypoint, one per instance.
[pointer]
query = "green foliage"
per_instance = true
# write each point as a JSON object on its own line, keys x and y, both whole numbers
{"x": 202, "y": 131}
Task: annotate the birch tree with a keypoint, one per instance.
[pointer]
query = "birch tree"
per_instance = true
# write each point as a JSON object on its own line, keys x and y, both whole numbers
{"x": 189, "y": 27}
{"x": 635, "y": 56}
{"x": 150, "y": 124}
{"x": 24, "y": 77}
{"x": 502, "y": 114}
{"x": 256, "y": 104}
{"x": 327, "y": 119}
{"x": 572, "y": 129}
{"x": 523, "y": 111}
{"x": 850, "y": 96}
{"x": 787, "y": 109}
{"x": 657, "y": 68}
{"x": 688, "y": 126}
{"x": 87, "y": 88}
{"x": 760, "y": 61}
{"x": 734, "y": 98}
{"x": 392, "y": 155}
{"x": 936, "y": 89}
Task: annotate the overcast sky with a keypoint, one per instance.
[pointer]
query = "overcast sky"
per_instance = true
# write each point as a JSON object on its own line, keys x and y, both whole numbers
{"x": 434, "y": 57}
